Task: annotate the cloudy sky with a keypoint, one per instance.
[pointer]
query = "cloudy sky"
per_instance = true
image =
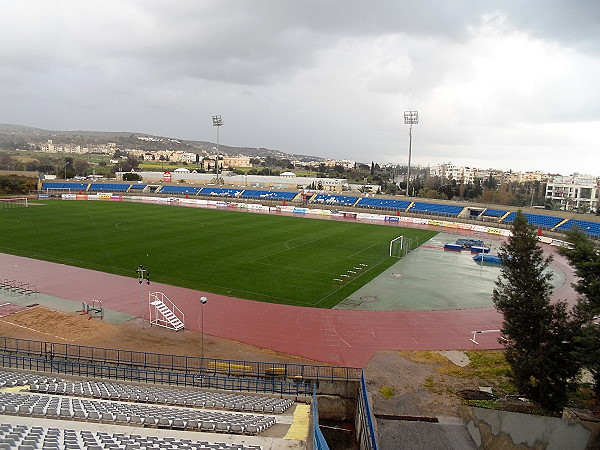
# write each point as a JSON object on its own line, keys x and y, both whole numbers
{"x": 503, "y": 84}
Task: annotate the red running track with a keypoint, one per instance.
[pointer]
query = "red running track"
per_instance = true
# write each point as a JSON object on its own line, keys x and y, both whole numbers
{"x": 340, "y": 337}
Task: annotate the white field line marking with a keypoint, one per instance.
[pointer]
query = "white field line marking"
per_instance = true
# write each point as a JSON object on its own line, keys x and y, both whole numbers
{"x": 362, "y": 250}
{"x": 335, "y": 290}
{"x": 290, "y": 248}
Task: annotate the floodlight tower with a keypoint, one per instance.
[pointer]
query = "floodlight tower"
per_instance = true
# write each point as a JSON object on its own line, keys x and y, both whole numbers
{"x": 217, "y": 122}
{"x": 143, "y": 274}
{"x": 203, "y": 301}
{"x": 410, "y": 118}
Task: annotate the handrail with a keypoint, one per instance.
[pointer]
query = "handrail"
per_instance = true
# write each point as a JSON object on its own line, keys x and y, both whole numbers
{"x": 191, "y": 364}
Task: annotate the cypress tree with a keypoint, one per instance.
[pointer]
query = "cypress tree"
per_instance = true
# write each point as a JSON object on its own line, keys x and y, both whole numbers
{"x": 584, "y": 257}
{"x": 537, "y": 333}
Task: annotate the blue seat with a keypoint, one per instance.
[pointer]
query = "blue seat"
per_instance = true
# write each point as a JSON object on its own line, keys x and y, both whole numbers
{"x": 139, "y": 187}
{"x": 65, "y": 186}
{"x": 591, "y": 228}
{"x": 435, "y": 208}
{"x": 268, "y": 195}
{"x": 538, "y": 220}
{"x": 179, "y": 190}
{"x": 220, "y": 192}
{"x": 332, "y": 199}
{"x": 384, "y": 204}
{"x": 108, "y": 187}
{"x": 490, "y": 212}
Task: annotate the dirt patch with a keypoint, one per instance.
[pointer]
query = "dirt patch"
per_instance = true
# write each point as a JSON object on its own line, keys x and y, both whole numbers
{"x": 419, "y": 383}
{"x": 47, "y": 325}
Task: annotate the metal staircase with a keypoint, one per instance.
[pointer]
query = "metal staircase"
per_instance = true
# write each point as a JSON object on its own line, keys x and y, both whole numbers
{"x": 164, "y": 313}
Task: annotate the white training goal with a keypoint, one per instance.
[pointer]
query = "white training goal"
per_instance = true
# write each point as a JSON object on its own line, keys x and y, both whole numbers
{"x": 14, "y": 202}
{"x": 400, "y": 246}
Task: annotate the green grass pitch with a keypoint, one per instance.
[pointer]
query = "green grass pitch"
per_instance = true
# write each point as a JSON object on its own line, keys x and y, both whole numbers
{"x": 266, "y": 257}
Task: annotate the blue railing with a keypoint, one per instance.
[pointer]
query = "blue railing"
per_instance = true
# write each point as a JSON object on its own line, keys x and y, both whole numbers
{"x": 365, "y": 430}
{"x": 319, "y": 442}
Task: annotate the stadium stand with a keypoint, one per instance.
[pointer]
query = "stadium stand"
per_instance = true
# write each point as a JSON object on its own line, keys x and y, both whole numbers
{"x": 34, "y": 437}
{"x": 108, "y": 187}
{"x": 268, "y": 195}
{"x": 538, "y": 220}
{"x": 179, "y": 190}
{"x": 147, "y": 414}
{"x": 138, "y": 187}
{"x": 384, "y": 204}
{"x": 169, "y": 396}
{"x": 591, "y": 228}
{"x": 435, "y": 208}
{"x": 332, "y": 199}
{"x": 65, "y": 186}
{"x": 490, "y": 212}
{"x": 220, "y": 192}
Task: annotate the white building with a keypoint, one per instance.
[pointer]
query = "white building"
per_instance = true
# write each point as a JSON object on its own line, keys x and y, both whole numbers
{"x": 576, "y": 192}
{"x": 449, "y": 171}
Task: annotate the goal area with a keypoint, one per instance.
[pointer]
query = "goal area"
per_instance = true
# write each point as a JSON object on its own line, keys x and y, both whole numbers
{"x": 14, "y": 202}
{"x": 400, "y": 246}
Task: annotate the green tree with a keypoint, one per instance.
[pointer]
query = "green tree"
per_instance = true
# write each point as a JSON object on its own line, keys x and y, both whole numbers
{"x": 131, "y": 176}
{"x": 584, "y": 257}
{"x": 538, "y": 334}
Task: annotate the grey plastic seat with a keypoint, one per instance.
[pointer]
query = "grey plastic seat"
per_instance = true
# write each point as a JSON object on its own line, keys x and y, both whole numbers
{"x": 178, "y": 423}
{"x": 222, "y": 427}
{"x": 207, "y": 426}
{"x": 165, "y": 422}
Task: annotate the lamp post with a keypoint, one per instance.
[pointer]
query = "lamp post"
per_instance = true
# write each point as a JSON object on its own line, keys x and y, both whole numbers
{"x": 143, "y": 274}
{"x": 203, "y": 301}
{"x": 410, "y": 118}
{"x": 217, "y": 122}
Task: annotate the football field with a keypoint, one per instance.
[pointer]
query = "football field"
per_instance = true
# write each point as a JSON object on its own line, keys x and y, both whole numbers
{"x": 266, "y": 257}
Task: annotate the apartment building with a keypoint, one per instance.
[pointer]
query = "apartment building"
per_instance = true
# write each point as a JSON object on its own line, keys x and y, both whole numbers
{"x": 575, "y": 192}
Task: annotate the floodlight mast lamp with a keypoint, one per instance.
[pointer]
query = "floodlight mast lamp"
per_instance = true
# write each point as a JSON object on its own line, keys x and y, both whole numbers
{"x": 410, "y": 118}
{"x": 217, "y": 122}
{"x": 143, "y": 274}
{"x": 203, "y": 301}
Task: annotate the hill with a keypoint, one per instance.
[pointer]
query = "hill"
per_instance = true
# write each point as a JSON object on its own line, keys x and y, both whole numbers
{"x": 128, "y": 139}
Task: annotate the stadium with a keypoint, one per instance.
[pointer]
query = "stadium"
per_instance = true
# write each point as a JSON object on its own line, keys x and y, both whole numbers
{"x": 334, "y": 290}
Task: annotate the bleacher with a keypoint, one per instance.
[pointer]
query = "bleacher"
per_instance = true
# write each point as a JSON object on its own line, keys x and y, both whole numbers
{"x": 66, "y": 186}
{"x": 127, "y": 412}
{"x": 138, "y": 187}
{"x": 591, "y": 228}
{"x": 538, "y": 220}
{"x": 108, "y": 187}
{"x": 220, "y": 192}
{"x": 436, "y": 208}
{"x": 268, "y": 195}
{"x": 179, "y": 190}
{"x": 27, "y": 437}
{"x": 490, "y": 212}
{"x": 384, "y": 204}
{"x": 334, "y": 200}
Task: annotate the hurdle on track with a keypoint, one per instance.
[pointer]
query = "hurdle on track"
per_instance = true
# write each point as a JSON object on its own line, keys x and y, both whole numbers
{"x": 19, "y": 287}
{"x": 93, "y": 311}
{"x": 475, "y": 333}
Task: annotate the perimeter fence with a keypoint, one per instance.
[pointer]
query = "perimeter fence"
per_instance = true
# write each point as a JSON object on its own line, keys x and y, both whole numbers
{"x": 134, "y": 374}
{"x": 177, "y": 363}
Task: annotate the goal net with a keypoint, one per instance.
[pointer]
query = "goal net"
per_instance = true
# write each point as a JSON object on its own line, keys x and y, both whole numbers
{"x": 15, "y": 202}
{"x": 400, "y": 246}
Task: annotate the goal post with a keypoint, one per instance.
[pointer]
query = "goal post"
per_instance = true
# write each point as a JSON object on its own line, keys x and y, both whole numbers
{"x": 396, "y": 246}
{"x": 400, "y": 246}
{"x": 13, "y": 202}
